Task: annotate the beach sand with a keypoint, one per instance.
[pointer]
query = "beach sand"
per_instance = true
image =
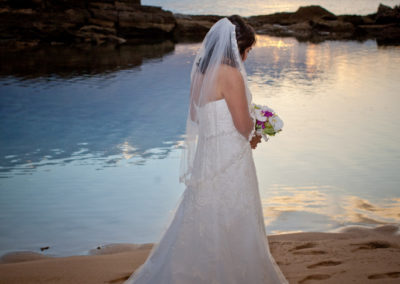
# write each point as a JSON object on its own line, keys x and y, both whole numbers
{"x": 353, "y": 255}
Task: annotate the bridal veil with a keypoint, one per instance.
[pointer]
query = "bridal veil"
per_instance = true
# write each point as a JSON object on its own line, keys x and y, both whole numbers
{"x": 216, "y": 233}
{"x": 219, "y": 48}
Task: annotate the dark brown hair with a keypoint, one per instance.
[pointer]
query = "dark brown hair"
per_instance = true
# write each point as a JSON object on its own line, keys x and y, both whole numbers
{"x": 245, "y": 34}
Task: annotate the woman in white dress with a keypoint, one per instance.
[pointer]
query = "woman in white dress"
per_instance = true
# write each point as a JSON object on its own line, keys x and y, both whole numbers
{"x": 216, "y": 234}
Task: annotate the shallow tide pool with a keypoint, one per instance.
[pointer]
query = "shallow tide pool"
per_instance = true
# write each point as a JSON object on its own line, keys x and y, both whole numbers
{"x": 90, "y": 140}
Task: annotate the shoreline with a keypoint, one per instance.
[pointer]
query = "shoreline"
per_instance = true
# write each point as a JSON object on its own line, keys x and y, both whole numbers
{"x": 355, "y": 254}
{"x": 116, "y": 22}
{"x": 46, "y": 251}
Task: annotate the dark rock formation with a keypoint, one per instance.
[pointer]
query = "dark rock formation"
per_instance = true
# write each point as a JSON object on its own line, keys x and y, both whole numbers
{"x": 311, "y": 13}
{"x": 29, "y": 22}
{"x": 26, "y": 23}
{"x": 303, "y": 14}
{"x": 314, "y": 23}
{"x": 387, "y": 15}
{"x": 192, "y": 27}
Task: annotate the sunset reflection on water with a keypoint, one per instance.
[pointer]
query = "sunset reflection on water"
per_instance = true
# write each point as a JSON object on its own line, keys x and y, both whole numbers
{"x": 87, "y": 151}
{"x": 323, "y": 206}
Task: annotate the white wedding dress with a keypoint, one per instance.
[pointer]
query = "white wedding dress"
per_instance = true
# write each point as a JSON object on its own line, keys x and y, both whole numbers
{"x": 216, "y": 233}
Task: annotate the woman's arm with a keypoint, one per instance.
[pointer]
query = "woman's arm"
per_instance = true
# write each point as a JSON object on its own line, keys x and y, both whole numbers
{"x": 193, "y": 114}
{"x": 233, "y": 90}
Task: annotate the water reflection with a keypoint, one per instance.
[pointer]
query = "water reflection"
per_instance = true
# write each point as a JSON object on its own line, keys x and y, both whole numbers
{"x": 309, "y": 208}
{"x": 361, "y": 211}
{"x": 285, "y": 63}
{"x": 80, "y": 107}
{"x": 68, "y": 140}
{"x": 68, "y": 62}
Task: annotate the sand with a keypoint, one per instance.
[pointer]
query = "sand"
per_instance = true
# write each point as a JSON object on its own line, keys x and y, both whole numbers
{"x": 353, "y": 255}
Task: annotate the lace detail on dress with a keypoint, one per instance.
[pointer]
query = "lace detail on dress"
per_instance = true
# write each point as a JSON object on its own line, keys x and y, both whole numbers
{"x": 193, "y": 182}
{"x": 253, "y": 117}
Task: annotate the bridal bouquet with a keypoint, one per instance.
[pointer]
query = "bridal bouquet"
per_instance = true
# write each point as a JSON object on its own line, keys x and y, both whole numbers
{"x": 268, "y": 123}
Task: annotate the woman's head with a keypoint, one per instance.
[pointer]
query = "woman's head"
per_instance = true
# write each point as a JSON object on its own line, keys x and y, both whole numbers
{"x": 217, "y": 46}
{"x": 245, "y": 35}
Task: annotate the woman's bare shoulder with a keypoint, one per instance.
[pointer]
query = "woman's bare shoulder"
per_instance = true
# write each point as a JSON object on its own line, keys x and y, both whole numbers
{"x": 228, "y": 71}
{"x": 230, "y": 75}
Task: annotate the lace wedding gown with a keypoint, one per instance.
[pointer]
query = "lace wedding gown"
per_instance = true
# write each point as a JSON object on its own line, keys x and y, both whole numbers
{"x": 216, "y": 233}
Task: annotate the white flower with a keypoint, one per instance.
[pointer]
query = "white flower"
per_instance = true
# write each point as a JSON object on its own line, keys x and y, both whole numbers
{"x": 265, "y": 136}
{"x": 265, "y": 108}
{"x": 259, "y": 115}
{"x": 276, "y": 122}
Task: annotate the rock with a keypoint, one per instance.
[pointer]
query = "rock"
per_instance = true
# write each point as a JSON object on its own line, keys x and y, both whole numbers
{"x": 56, "y": 43}
{"x": 98, "y": 21}
{"x": 301, "y": 30}
{"x": 98, "y": 29}
{"x": 25, "y": 44}
{"x": 146, "y": 21}
{"x": 193, "y": 27}
{"x": 311, "y": 13}
{"x": 275, "y": 30}
{"x": 126, "y": 6}
{"x": 105, "y": 14}
{"x": 311, "y": 22}
{"x": 387, "y": 14}
{"x": 98, "y": 35}
{"x": 389, "y": 32}
{"x": 23, "y": 4}
{"x": 276, "y": 18}
{"x": 102, "y": 23}
{"x": 97, "y": 38}
{"x": 355, "y": 20}
{"x": 77, "y": 16}
{"x": 102, "y": 5}
{"x": 333, "y": 26}
{"x": 31, "y": 22}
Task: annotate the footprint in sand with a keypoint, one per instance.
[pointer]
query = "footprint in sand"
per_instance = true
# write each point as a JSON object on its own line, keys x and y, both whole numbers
{"x": 119, "y": 280}
{"x": 372, "y": 245}
{"x": 300, "y": 249}
{"x": 325, "y": 263}
{"x": 303, "y": 246}
{"x": 395, "y": 274}
{"x": 314, "y": 277}
{"x": 310, "y": 252}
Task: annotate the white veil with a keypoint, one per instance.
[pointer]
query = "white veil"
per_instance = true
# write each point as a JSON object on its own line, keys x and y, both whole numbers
{"x": 200, "y": 159}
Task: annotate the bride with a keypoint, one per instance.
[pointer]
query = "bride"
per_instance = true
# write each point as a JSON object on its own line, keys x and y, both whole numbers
{"x": 216, "y": 234}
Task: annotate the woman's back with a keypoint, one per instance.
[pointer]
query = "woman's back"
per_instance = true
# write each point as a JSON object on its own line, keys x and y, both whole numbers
{"x": 216, "y": 233}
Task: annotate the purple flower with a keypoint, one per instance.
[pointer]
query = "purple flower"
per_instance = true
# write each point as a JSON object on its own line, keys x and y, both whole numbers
{"x": 263, "y": 126}
{"x": 267, "y": 113}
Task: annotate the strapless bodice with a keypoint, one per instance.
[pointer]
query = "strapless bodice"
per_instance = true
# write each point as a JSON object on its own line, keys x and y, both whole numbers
{"x": 215, "y": 119}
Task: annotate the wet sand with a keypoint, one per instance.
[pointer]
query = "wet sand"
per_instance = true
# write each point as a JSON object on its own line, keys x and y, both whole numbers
{"x": 353, "y": 255}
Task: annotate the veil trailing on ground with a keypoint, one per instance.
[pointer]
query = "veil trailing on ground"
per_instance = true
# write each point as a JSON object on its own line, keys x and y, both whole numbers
{"x": 218, "y": 50}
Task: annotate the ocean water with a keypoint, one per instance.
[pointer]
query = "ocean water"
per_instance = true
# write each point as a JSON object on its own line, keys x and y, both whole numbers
{"x": 262, "y": 7}
{"x": 90, "y": 140}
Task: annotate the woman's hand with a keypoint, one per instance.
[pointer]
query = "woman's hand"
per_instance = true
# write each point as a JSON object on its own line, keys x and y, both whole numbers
{"x": 255, "y": 140}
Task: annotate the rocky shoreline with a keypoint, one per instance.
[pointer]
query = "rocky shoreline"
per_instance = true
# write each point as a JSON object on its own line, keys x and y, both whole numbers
{"x": 28, "y": 23}
{"x": 314, "y": 23}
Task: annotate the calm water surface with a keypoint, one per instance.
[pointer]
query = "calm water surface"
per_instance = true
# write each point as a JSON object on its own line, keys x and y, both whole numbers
{"x": 90, "y": 140}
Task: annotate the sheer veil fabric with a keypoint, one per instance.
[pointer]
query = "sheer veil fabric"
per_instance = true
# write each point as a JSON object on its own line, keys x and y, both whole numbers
{"x": 218, "y": 50}
{"x": 216, "y": 233}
